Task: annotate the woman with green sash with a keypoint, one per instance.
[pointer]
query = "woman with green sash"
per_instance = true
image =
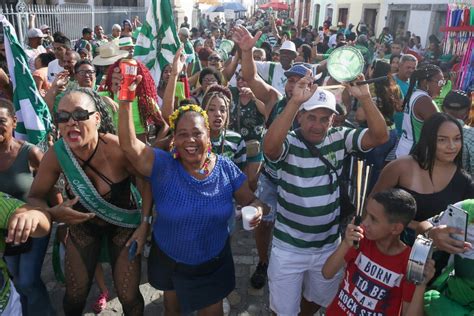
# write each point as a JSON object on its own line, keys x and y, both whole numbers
{"x": 98, "y": 173}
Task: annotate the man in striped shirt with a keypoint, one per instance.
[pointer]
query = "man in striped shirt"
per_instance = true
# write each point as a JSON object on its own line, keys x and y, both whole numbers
{"x": 307, "y": 224}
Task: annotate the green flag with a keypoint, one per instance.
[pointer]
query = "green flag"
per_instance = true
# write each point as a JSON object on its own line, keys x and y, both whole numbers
{"x": 32, "y": 113}
{"x": 158, "y": 41}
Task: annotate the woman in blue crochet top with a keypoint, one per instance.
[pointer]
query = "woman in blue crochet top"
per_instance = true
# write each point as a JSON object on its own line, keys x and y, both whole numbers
{"x": 193, "y": 188}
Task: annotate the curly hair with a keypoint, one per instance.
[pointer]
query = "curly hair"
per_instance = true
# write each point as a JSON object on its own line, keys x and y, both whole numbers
{"x": 386, "y": 91}
{"x": 146, "y": 94}
{"x": 106, "y": 123}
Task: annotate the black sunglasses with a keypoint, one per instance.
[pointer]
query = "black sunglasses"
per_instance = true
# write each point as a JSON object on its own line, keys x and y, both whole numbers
{"x": 77, "y": 115}
{"x": 214, "y": 59}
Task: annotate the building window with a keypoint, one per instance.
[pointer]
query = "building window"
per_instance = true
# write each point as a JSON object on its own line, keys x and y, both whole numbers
{"x": 343, "y": 14}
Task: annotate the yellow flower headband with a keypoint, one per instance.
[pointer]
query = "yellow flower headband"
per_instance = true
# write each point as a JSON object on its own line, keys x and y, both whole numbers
{"x": 186, "y": 108}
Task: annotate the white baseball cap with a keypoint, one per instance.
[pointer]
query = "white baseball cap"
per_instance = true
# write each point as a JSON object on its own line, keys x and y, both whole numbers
{"x": 35, "y": 33}
{"x": 288, "y": 45}
{"x": 320, "y": 99}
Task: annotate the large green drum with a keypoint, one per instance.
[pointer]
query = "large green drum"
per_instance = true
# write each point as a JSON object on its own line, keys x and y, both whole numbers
{"x": 345, "y": 63}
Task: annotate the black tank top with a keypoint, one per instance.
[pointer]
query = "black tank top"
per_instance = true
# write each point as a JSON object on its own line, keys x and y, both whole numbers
{"x": 458, "y": 189}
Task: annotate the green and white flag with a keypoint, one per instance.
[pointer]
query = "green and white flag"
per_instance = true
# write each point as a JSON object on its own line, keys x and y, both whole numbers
{"x": 158, "y": 41}
{"x": 32, "y": 113}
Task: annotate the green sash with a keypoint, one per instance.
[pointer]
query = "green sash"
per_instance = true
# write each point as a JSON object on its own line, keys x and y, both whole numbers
{"x": 82, "y": 187}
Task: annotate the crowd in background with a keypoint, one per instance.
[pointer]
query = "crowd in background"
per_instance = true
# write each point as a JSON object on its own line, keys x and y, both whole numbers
{"x": 241, "y": 117}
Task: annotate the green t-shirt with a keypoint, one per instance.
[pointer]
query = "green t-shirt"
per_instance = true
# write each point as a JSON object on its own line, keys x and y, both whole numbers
{"x": 444, "y": 91}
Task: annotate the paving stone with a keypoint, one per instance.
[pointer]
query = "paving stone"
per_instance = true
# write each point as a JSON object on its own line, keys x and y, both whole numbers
{"x": 244, "y": 300}
{"x": 234, "y": 298}
{"x": 243, "y": 259}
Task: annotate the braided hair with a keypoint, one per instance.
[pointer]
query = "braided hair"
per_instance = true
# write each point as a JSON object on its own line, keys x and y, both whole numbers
{"x": 217, "y": 91}
{"x": 106, "y": 124}
{"x": 424, "y": 72}
{"x": 146, "y": 94}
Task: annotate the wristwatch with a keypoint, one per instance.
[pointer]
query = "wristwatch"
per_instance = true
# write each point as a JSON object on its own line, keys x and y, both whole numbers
{"x": 148, "y": 219}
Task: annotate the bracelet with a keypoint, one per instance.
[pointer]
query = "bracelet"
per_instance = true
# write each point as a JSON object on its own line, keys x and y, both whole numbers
{"x": 147, "y": 219}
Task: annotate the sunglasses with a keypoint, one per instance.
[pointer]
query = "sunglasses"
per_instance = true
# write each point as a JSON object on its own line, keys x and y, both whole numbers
{"x": 86, "y": 72}
{"x": 441, "y": 82}
{"x": 77, "y": 115}
{"x": 217, "y": 59}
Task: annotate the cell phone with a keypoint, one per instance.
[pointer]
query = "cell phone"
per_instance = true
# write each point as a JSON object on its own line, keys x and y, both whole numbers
{"x": 132, "y": 250}
{"x": 458, "y": 218}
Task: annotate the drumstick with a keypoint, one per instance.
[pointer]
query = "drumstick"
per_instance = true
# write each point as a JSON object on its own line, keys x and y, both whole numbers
{"x": 358, "y": 83}
{"x": 364, "y": 191}
{"x": 358, "y": 219}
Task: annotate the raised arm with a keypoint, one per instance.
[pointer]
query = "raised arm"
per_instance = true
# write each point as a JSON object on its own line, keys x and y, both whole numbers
{"x": 276, "y": 135}
{"x": 377, "y": 133}
{"x": 137, "y": 152}
{"x": 263, "y": 91}
{"x": 170, "y": 91}
{"x": 336, "y": 261}
{"x": 231, "y": 66}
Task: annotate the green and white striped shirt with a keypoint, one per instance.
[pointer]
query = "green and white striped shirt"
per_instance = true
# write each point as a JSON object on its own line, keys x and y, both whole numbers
{"x": 308, "y": 204}
{"x": 233, "y": 147}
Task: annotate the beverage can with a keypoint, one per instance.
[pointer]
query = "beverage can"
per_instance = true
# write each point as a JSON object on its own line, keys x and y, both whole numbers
{"x": 128, "y": 69}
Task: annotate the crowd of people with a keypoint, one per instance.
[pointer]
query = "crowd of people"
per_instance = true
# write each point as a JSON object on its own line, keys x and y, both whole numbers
{"x": 241, "y": 117}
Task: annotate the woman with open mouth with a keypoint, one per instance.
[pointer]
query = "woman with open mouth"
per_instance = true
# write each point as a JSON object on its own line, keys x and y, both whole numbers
{"x": 225, "y": 142}
{"x": 99, "y": 175}
{"x": 193, "y": 189}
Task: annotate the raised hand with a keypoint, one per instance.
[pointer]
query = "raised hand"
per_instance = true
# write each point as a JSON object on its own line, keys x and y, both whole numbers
{"x": 179, "y": 61}
{"x": 247, "y": 93}
{"x": 353, "y": 233}
{"x": 358, "y": 91}
{"x": 304, "y": 89}
{"x": 244, "y": 39}
{"x": 64, "y": 213}
{"x": 117, "y": 80}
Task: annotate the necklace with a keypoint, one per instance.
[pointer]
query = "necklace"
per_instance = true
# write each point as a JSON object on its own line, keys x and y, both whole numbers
{"x": 205, "y": 166}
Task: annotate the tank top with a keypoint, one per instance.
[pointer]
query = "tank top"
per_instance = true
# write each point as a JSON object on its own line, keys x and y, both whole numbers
{"x": 411, "y": 125}
{"x": 16, "y": 180}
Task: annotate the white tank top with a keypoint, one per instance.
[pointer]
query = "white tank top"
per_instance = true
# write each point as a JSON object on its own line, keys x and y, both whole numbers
{"x": 411, "y": 125}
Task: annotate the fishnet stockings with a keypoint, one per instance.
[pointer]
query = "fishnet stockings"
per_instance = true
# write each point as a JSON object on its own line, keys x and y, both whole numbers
{"x": 82, "y": 253}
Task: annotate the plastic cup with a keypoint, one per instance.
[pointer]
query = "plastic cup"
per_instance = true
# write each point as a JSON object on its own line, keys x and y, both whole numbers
{"x": 248, "y": 213}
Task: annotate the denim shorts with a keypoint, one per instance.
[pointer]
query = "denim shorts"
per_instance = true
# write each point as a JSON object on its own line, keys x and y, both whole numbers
{"x": 196, "y": 286}
{"x": 268, "y": 194}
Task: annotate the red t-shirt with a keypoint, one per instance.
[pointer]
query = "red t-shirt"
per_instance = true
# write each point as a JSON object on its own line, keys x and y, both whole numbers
{"x": 374, "y": 283}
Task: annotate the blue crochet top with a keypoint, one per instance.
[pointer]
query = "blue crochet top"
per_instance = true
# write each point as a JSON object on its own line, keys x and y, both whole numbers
{"x": 192, "y": 214}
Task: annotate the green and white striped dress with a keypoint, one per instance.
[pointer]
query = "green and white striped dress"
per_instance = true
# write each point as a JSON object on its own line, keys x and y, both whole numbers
{"x": 308, "y": 204}
{"x": 233, "y": 147}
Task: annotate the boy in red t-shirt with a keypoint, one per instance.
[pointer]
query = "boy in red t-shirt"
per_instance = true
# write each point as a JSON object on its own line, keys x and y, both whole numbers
{"x": 375, "y": 282}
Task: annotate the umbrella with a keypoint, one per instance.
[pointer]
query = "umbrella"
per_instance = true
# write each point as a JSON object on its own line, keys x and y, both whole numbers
{"x": 279, "y": 6}
{"x": 233, "y": 6}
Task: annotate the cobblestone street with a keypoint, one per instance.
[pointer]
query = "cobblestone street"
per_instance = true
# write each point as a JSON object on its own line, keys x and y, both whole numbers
{"x": 244, "y": 300}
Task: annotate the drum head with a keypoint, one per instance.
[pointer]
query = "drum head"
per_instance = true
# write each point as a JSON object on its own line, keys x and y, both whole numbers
{"x": 345, "y": 63}
{"x": 226, "y": 46}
